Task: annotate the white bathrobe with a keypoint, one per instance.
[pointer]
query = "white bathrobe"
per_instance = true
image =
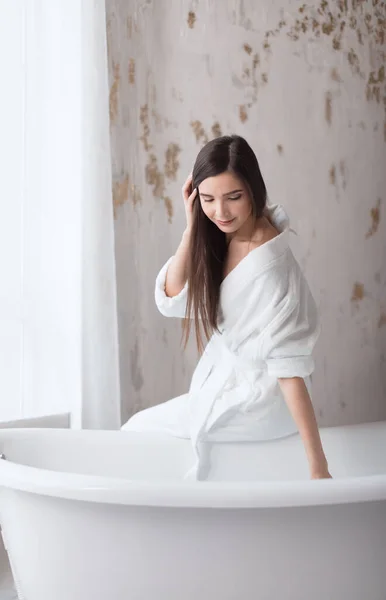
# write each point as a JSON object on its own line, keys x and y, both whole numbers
{"x": 268, "y": 328}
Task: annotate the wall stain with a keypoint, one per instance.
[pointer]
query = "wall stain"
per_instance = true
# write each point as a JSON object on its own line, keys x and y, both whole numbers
{"x": 375, "y": 214}
{"x": 124, "y": 191}
{"x": 243, "y": 113}
{"x": 144, "y": 118}
{"x": 333, "y": 20}
{"x": 335, "y": 75}
{"x": 169, "y": 208}
{"x": 154, "y": 177}
{"x": 247, "y": 48}
{"x": 120, "y": 193}
{"x": 216, "y": 130}
{"x": 382, "y": 320}
{"x": 377, "y": 277}
{"x": 113, "y": 99}
{"x": 256, "y": 61}
{"x": 343, "y": 404}
{"x": 191, "y": 19}
{"x": 280, "y": 149}
{"x": 132, "y": 71}
{"x": 131, "y": 26}
{"x": 248, "y": 81}
{"x": 135, "y": 194}
{"x": 328, "y": 108}
{"x": 353, "y": 60}
{"x": 358, "y": 292}
{"x": 333, "y": 175}
{"x": 374, "y": 87}
{"x": 199, "y": 131}
{"x": 171, "y": 161}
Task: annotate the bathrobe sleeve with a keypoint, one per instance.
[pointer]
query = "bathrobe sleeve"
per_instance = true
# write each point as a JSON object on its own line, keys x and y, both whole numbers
{"x": 290, "y": 338}
{"x": 169, "y": 307}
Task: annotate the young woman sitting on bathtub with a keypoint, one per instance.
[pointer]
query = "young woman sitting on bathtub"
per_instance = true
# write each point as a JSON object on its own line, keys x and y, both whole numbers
{"x": 235, "y": 279}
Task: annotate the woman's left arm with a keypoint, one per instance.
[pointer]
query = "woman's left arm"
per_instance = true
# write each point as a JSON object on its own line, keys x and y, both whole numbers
{"x": 299, "y": 403}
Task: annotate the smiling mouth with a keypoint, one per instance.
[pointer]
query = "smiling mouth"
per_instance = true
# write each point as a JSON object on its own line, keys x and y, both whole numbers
{"x": 225, "y": 222}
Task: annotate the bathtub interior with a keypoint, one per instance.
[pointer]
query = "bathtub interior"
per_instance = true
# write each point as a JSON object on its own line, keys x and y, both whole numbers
{"x": 357, "y": 450}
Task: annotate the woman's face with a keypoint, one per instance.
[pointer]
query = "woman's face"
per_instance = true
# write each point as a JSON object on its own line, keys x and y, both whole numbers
{"x": 226, "y": 200}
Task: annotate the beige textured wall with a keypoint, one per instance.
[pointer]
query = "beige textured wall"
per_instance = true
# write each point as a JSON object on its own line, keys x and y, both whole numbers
{"x": 305, "y": 84}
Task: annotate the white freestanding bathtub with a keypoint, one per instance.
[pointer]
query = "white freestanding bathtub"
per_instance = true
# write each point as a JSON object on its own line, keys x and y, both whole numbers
{"x": 97, "y": 515}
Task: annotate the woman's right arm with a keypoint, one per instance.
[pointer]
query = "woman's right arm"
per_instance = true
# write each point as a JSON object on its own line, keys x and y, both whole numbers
{"x": 177, "y": 273}
{"x": 171, "y": 290}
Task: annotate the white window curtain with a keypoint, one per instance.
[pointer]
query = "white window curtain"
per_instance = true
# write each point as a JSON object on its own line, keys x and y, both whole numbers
{"x": 65, "y": 349}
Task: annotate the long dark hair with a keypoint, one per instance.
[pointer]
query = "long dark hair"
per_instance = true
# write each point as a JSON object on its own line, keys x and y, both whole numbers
{"x": 208, "y": 246}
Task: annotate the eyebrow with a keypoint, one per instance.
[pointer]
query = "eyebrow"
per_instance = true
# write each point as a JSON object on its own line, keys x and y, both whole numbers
{"x": 227, "y": 194}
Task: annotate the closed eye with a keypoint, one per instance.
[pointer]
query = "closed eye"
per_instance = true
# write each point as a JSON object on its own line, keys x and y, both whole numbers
{"x": 208, "y": 199}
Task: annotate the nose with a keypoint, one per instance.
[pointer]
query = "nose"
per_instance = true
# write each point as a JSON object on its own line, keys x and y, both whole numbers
{"x": 222, "y": 213}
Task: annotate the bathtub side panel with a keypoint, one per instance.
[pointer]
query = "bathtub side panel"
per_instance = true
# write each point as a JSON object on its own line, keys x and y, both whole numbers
{"x": 65, "y": 549}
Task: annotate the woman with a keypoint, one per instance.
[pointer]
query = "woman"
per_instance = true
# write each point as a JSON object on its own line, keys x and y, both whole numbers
{"x": 235, "y": 278}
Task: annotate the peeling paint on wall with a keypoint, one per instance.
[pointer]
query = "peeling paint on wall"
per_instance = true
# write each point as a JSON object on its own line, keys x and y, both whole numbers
{"x": 154, "y": 177}
{"x": 243, "y": 113}
{"x": 375, "y": 214}
{"x": 113, "y": 102}
{"x": 199, "y": 132}
{"x": 123, "y": 192}
{"x": 132, "y": 71}
{"x": 169, "y": 208}
{"x": 171, "y": 161}
{"x": 358, "y": 292}
{"x": 144, "y": 118}
{"x": 131, "y": 26}
{"x": 120, "y": 192}
{"x": 191, "y": 19}
{"x": 331, "y": 20}
{"x": 216, "y": 130}
{"x": 335, "y": 75}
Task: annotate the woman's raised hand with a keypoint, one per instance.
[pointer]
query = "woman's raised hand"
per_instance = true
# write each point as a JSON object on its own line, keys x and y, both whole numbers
{"x": 189, "y": 195}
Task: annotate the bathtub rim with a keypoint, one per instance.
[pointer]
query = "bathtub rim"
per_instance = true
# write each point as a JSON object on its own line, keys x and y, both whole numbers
{"x": 190, "y": 494}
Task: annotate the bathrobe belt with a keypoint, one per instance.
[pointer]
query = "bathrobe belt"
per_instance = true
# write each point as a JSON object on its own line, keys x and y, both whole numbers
{"x": 213, "y": 386}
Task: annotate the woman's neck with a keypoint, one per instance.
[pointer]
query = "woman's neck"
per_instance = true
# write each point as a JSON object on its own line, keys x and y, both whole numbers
{"x": 249, "y": 230}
